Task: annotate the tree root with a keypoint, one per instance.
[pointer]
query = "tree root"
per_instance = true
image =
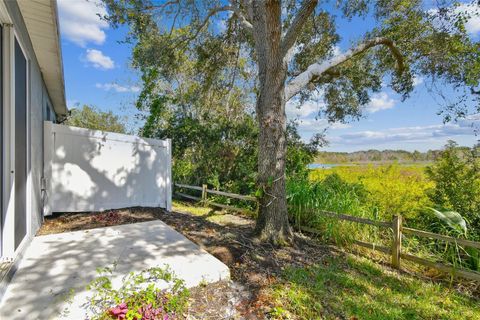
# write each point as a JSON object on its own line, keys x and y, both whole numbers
{"x": 282, "y": 238}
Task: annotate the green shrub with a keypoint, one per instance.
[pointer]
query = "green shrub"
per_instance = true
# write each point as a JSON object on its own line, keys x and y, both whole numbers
{"x": 456, "y": 174}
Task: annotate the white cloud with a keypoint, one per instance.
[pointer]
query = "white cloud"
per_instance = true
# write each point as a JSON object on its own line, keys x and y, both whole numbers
{"x": 339, "y": 125}
{"x": 116, "y": 87}
{"x": 80, "y": 23}
{"x": 99, "y": 60}
{"x": 465, "y": 126}
{"x": 336, "y": 51}
{"x": 308, "y": 109}
{"x": 306, "y": 115}
{"x": 469, "y": 10}
{"x": 473, "y": 11}
{"x": 308, "y": 127}
{"x": 380, "y": 101}
{"x": 417, "y": 80}
{"x": 295, "y": 110}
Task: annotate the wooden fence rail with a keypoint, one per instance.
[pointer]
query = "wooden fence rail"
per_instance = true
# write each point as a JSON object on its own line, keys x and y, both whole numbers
{"x": 346, "y": 217}
{"x": 204, "y": 197}
{"x": 426, "y": 234}
{"x": 186, "y": 186}
{"x": 396, "y": 247}
{"x": 396, "y": 225}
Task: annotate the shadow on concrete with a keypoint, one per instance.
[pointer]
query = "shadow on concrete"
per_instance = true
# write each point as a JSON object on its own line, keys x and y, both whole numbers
{"x": 56, "y": 264}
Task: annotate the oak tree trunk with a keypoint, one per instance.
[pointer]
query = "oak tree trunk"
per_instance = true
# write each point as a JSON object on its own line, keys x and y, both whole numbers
{"x": 272, "y": 222}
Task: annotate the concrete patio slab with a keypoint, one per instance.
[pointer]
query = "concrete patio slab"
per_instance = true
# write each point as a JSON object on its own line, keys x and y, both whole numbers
{"x": 54, "y": 265}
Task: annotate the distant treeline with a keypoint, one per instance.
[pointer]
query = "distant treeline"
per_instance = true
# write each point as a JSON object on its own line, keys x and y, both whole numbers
{"x": 377, "y": 156}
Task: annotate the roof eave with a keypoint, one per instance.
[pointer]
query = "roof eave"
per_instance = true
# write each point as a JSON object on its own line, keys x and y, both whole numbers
{"x": 41, "y": 20}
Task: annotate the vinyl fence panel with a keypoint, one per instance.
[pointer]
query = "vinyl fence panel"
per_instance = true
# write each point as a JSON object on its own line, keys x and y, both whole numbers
{"x": 88, "y": 170}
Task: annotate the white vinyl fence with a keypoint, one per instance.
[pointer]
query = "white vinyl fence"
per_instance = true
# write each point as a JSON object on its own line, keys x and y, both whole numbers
{"x": 88, "y": 170}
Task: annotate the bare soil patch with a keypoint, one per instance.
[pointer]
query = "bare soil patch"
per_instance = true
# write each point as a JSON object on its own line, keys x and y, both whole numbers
{"x": 66, "y": 222}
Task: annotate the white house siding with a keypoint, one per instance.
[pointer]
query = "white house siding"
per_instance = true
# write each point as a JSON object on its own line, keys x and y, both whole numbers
{"x": 38, "y": 99}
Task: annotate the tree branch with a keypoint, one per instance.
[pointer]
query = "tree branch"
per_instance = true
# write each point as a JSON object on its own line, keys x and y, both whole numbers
{"x": 247, "y": 6}
{"x": 317, "y": 69}
{"x": 290, "y": 37}
{"x": 236, "y": 11}
{"x": 241, "y": 17}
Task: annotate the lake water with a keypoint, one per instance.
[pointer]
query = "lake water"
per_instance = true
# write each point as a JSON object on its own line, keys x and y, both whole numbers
{"x": 322, "y": 165}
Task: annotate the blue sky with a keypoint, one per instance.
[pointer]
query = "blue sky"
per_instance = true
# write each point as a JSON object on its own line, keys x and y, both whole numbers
{"x": 97, "y": 72}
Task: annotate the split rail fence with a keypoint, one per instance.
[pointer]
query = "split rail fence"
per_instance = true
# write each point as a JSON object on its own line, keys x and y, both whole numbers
{"x": 204, "y": 197}
{"x": 395, "y": 250}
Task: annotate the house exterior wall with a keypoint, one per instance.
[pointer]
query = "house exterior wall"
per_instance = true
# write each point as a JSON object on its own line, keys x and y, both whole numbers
{"x": 37, "y": 102}
{"x": 16, "y": 43}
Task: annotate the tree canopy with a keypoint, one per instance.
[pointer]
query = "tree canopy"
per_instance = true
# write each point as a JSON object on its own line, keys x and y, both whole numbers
{"x": 91, "y": 118}
{"x": 211, "y": 43}
{"x": 227, "y": 60}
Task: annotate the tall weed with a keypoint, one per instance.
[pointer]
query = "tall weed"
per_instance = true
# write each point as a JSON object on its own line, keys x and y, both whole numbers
{"x": 379, "y": 193}
{"x": 308, "y": 199}
{"x": 391, "y": 189}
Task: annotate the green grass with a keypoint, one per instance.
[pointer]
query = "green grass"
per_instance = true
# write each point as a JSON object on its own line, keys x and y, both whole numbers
{"x": 357, "y": 288}
{"x": 182, "y": 206}
{"x": 212, "y": 215}
{"x": 345, "y": 286}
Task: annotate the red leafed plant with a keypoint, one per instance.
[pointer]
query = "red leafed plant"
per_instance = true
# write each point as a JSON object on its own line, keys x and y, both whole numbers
{"x": 119, "y": 312}
{"x": 148, "y": 312}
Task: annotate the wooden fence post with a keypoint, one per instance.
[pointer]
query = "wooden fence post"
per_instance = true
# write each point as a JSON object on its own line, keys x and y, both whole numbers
{"x": 204, "y": 193}
{"x": 397, "y": 241}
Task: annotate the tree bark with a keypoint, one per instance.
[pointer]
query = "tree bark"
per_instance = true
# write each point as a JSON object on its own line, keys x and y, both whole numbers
{"x": 272, "y": 223}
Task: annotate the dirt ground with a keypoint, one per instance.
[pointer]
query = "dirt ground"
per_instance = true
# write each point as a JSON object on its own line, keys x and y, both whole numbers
{"x": 66, "y": 222}
{"x": 253, "y": 266}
